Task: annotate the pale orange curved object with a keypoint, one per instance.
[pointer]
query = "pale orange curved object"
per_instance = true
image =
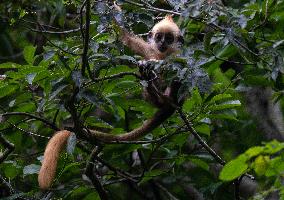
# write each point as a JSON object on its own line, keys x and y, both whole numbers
{"x": 51, "y": 155}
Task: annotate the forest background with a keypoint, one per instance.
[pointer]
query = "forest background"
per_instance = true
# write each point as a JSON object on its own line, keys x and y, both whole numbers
{"x": 62, "y": 66}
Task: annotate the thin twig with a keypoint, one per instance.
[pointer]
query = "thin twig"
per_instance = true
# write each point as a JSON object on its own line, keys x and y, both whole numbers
{"x": 147, "y": 6}
{"x": 166, "y": 191}
{"x": 93, "y": 177}
{"x": 81, "y": 19}
{"x": 200, "y": 140}
{"x": 118, "y": 171}
{"x": 37, "y": 23}
{"x": 158, "y": 140}
{"x": 56, "y": 46}
{"x": 211, "y": 151}
{"x": 7, "y": 185}
{"x": 229, "y": 61}
{"x": 55, "y": 116}
{"x": 114, "y": 76}
{"x": 57, "y": 32}
{"x": 9, "y": 148}
{"x": 85, "y": 60}
{"x": 265, "y": 17}
{"x": 50, "y": 124}
{"x": 28, "y": 132}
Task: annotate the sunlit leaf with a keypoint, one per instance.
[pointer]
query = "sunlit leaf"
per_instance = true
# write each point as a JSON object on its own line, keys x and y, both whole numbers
{"x": 234, "y": 169}
{"x": 29, "y": 52}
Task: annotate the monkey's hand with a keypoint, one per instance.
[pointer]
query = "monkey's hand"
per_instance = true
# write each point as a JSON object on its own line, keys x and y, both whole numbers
{"x": 147, "y": 69}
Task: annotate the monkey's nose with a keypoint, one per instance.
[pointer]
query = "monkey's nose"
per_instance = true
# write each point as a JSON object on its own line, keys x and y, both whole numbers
{"x": 162, "y": 48}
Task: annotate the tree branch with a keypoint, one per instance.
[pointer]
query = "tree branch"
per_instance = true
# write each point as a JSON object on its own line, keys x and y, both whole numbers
{"x": 165, "y": 190}
{"x": 159, "y": 117}
{"x": 9, "y": 148}
{"x": 56, "y": 46}
{"x": 114, "y": 76}
{"x": 50, "y": 124}
{"x": 199, "y": 139}
{"x": 211, "y": 151}
{"x": 85, "y": 61}
{"x": 118, "y": 171}
{"x": 93, "y": 177}
{"x": 57, "y": 32}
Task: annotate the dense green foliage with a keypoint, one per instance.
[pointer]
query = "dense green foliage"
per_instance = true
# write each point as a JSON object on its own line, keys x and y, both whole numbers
{"x": 231, "y": 70}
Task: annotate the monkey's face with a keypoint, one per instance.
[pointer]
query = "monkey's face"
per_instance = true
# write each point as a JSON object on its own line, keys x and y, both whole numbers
{"x": 166, "y": 41}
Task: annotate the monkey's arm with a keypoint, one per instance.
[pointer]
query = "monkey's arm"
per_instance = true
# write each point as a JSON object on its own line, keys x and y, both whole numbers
{"x": 136, "y": 44}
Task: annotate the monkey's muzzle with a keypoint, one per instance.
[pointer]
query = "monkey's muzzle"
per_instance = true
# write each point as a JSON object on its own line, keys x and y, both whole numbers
{"x": 162, "y": 48}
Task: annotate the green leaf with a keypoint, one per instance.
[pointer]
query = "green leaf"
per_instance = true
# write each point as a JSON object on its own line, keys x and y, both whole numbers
{"x": 92, "y": 196}
{"x": 254, "y": 151}
{"x": 193, "y": 102}
{"x": 180, "y": 139}
{"x": 9, "y": 65}
{"x": 71, "y": 143}
{"x": 31, "y": 169}
{"x": 207, "y": 40}
{"x": 151, "y": 174}
{"x": 56, "y": 91}
{"x": 222, "y": 116}
{"x": 227, "y": 52}
{"x": 220, "y": 97}
{"x": 273, "y": 147}
{"x": 118, "y": 151}
{"x": 12, "y": 169}
{"x": 73, "y": 166}
{"x": 203, "y": 128}
{"x": 7, "y": 89}
{"x": 128, "y": 58}
{"x": 257, "y": 80}
{"x": 79, "y": 193}
{"x": 200, "y": 163}
{"x": 226, "y": 105}
{"x": 260, "y": 164}
{"x": 234, "y": 169}
{"x": 29, "y": 52}
{"x": 276, "y": 167}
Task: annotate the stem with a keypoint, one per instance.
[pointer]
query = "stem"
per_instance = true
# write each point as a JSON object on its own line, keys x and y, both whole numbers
{"x": 86, "y": 38}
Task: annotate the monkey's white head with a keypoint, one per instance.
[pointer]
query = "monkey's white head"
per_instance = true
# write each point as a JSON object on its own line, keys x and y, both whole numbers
{"x": 166, "y": 36}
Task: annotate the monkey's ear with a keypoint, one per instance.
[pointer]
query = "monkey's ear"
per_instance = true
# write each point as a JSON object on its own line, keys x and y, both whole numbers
{"x": 150, "y": 35}
{"x": 169, "y": 18}
{"x": 180, "y": 39}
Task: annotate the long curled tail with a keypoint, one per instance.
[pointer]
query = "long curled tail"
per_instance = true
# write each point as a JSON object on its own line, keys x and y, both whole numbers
{"x": 51, "y": 154}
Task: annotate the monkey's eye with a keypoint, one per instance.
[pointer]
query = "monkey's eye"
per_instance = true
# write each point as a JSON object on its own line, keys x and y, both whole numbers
{"x": 180, "y": 39}
{"x": 169, "y": 38}
{"x": 158, "y": 37}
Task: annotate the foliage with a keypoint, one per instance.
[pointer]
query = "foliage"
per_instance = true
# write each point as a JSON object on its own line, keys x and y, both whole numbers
{"x": 230, "y": 49}
{"x": 266, "y": 161}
